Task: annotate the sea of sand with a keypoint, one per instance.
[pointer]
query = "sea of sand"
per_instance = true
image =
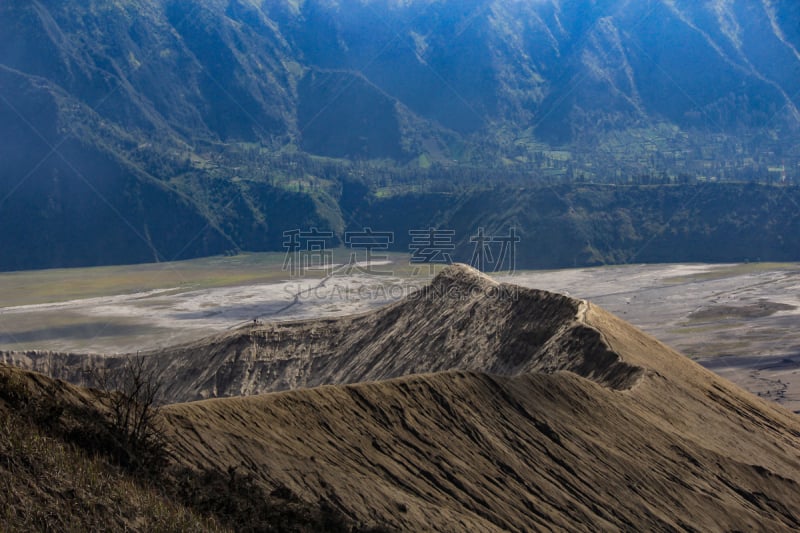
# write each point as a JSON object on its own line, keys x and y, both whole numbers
{"x": 740, "y": 320}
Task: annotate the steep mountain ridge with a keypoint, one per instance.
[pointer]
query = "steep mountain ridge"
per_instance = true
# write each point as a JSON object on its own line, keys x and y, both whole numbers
{"x": 539, "y": 450}
{"x": 463, "y": 451}
{"x": 463, "y": 320}
{"x": 198, "y": 96}
{"x": 478, "y": 405}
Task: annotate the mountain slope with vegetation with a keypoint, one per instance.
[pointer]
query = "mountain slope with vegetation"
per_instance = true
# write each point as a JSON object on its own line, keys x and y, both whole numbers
{"x": 564, "y": 226}
{"x": 51, "y": 483}
{"x": 160, "y": 129}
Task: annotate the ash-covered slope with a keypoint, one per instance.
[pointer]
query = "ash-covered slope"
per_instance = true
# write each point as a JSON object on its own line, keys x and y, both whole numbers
{"x": 475, "y": 406}
{"x": 650, "y": 441}
{"x": 463, "y": 320}
{"x": 473, "y": 452}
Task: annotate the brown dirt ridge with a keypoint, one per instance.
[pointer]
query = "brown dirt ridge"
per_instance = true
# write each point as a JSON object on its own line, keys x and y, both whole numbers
{"x": 463, "y": 320}
{"x": 478, "y": 406}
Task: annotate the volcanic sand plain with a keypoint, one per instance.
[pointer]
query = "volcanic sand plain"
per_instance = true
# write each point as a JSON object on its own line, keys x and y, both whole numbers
{"x": 739, "y": 320}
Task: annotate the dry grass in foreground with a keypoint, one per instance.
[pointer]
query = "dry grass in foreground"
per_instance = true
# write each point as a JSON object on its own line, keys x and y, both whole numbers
{"x": 61, "y": 470}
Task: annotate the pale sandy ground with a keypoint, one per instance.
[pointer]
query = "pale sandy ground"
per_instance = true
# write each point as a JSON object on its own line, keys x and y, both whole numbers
{"x": 157, "y": 318}
{"x": 761, "y": 353}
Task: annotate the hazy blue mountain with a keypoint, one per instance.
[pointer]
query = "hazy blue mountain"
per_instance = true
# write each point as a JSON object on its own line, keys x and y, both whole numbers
{"x": 150, "y": 129}
{"x": 282, "y": 71}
